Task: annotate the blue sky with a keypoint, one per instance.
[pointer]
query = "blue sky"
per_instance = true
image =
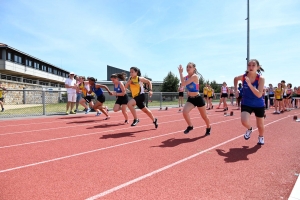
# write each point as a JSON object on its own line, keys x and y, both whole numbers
{"x": 157, "y": 36}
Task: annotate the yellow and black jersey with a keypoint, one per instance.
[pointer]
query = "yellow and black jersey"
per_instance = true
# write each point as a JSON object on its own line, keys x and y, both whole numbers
{"x": 136, "y": 86}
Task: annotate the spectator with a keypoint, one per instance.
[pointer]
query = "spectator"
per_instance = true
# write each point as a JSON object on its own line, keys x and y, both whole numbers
{"x": 71, "y": 86}
{"x": 1, "y": 96}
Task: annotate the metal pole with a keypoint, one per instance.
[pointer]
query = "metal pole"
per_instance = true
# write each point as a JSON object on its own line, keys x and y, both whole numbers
{"x": 43, "y": 101}
{"x": 248, "y": 31}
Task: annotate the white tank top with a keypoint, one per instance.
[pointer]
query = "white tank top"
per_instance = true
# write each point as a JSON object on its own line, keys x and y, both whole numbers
{"x": 224, "y": 89}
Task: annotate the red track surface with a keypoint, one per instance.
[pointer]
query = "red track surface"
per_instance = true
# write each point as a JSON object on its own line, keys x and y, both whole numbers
{"x": 82, "y": 156}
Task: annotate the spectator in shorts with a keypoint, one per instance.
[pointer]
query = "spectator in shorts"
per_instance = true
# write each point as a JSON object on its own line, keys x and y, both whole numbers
{"x": 1, "y": 96}
{"x": 71, "y": 86}
{"x": 78, "y": 92}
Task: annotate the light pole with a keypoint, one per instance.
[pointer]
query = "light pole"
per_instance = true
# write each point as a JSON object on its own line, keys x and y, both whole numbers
{"x": 248, "y": 33}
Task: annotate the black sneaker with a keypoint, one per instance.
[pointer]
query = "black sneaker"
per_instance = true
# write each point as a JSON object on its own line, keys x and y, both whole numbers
{"x": 2, "y": 110}
{"x": 188, "y": 129}
{"x": 135, "y": 122}
{"x": 126, "y": 121}
{"x": 155, "y": 123}
{"x": 207, "y": 131}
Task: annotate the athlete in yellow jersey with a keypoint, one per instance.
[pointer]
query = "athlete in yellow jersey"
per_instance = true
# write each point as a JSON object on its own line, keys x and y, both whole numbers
{"x": 1, "y": 96}
{"x": 86, "y": 97}
{"x": 205, "y": 89}
{"x": 278, "y": 99}
{"x": 210, "y": 93}
{"x": 138, "y": 97}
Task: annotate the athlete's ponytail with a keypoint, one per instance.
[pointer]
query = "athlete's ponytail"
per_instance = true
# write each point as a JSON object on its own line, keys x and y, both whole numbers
{"x": 195, "y": 72}
{"x": 121, "y": 76}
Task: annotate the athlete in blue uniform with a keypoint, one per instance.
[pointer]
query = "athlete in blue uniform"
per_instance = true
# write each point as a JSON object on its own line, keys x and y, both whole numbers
{"x": 120, "y": 93}
{"x": 191, "y": 81}
{"x": 97, "y": 89}
{"x": 252, "y": 101}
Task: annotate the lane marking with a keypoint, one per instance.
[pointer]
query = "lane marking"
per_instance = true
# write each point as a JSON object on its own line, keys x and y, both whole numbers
{"x": 169, "y": 166}
{"x": 62, "y": 127}
{"x": 104, "y": 148}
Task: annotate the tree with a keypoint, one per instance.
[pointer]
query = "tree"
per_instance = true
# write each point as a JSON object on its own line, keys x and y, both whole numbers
{"x": 215, "y": 86}
{"x": 170, "y": 83}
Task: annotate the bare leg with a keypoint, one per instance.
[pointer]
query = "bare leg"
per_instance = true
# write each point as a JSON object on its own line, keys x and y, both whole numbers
{"x": 186, "y": 110}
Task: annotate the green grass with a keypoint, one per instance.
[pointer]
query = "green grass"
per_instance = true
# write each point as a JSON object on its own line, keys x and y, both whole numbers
{"x": 61, "y": 108}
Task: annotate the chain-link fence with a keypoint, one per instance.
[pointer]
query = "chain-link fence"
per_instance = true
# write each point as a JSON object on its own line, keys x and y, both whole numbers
{"x": 19, "y": 103}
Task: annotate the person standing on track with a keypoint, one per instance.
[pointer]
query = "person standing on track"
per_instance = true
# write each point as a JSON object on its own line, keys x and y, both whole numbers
{"x": 191, "y": 81}
{"x": 120, "y": 93}
{"x": 210, "y": 95}
{"x": 239, "y": 99}
{"x": 97, "y": 89}
{"x": 253, "y": 100}
{"x": 71, "y": 86}
{"x": 138, "y": 97}
{"x": 278, "y": 99}
{"x": 224, "y": 95}
{"x": 205, "y": 95}
{"x": 180, "y": 95}
{"x": 231, "y": 95}
{"x": 2, "y": 96}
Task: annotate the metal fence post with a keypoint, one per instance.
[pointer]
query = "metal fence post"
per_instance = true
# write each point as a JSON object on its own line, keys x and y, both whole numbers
{"x": 24, "y": 96}
{"x": 160, "y": 99}
{"x": 43, "y": 101}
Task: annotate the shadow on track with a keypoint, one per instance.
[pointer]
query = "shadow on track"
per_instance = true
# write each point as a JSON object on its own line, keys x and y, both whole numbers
{"x": 172, "y": 142}
{"x": 123, "y": 134}
{"x": 238, "y": 154}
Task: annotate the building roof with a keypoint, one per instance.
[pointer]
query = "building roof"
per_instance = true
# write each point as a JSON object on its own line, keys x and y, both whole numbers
{"x": 2, "y": 45}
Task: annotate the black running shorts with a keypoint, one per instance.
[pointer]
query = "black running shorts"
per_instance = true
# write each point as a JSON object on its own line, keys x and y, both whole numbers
{"x": 139, "y": 100}
{"x": 196, "y": 101}
{"x": 259, "y": 112}
{"x": 121, "y": 100}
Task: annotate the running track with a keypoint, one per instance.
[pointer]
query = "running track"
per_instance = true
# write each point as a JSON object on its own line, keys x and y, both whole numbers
{"x": 84, "y": 157}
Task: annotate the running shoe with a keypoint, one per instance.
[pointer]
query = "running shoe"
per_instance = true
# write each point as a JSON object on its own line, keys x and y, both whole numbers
{"x": 135, "y": 122}
{"x": 67, "y": 113}
{"x": 2, "y": 110}
{"x": 188, "y": 129}
{"x": 75, "y": 110}
{"x": 98, "y": 114}
{"x": 108, "y": 117}
{"x": 87, "y": 111}
{"x": 72, "y": 112}
{"x": 248, "y": 134}
{"x": 126, "y": 121}
{"x": 155, "y": 123}
{"x": 261, "y": 140}
{"x": 207, "y": 131}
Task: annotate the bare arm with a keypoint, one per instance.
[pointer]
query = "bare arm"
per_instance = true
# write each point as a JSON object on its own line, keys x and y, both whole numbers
{"x": 123, "y": 90}
{"x": 144, "y": 80}
{"x": 103, "y": 86}
{"x": 127, "y": 84}
{"x": 260, "y": 90}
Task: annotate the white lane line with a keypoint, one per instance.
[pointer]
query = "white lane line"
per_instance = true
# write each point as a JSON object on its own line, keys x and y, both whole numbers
{"x": 295, "y": 194}
{"x": 59, "y": 119}
{"x": 87, "y": 134}
{"x": 62, "y": 127}
{"x": 168, "y": 166}
{"x": 104, "y": 148}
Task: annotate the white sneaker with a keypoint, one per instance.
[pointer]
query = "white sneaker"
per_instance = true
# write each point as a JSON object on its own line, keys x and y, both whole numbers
{"x": 248, "y": 134}
{"x": 261, "y": 140}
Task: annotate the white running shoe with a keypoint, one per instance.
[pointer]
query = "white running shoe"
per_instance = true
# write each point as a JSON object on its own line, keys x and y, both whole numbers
{"x": 261, "y": 140}
{"x": 248, "y": 134}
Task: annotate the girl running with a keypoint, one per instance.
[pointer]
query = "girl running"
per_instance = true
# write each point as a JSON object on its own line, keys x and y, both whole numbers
{"x": 191, "y": 81}
{"x": 120, "y": 93}
{"x": 97, "y": 89}
{"x": 253, "y": 85}
{"x": 180, "y": 95}
{"x": 86, "y": 97}
{"x": 278, "y": 99}
{"x": 138, "y": 97}
{"x": 210, "y": 94}
{"x": 224, "y": 96}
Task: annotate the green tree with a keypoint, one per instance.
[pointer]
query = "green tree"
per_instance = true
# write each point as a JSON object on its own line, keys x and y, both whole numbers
{"x": 215, "y": 86}
{"x": 170, "y": 83}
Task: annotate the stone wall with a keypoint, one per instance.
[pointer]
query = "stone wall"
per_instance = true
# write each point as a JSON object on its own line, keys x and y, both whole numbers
{"x": 24, "y": 93}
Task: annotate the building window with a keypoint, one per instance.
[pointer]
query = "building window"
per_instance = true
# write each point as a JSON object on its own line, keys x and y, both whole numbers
{"x": 20, "y": 59}
{"x": 44, "y": 68}
{"x": 29, "y": 63}
{"x": 8, "y": 56}
{"x": 49, "y": 69}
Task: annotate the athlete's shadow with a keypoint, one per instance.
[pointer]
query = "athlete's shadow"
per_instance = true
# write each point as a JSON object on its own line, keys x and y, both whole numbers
{"x": 71, "y": 117}
{"x": 82, "y": 122}
{"x": 123, "y": 134}
{"x": 172, "y": 142}
{"x": 238, "y": 154}
{"x": 105, "y": 125}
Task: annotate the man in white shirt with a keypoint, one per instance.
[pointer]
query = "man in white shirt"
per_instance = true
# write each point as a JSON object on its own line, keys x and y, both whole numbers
{"x": 71, "y": 86}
